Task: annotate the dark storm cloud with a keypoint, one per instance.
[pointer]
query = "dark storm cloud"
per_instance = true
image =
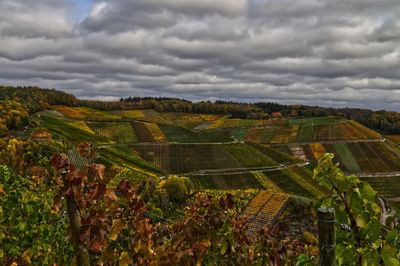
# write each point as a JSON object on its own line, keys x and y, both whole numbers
{"x": 336, "y": 53}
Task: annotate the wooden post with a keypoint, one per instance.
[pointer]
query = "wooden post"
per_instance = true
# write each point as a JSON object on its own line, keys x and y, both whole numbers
{"x": 74, "y": 215}
{"x": 327, "y": 238}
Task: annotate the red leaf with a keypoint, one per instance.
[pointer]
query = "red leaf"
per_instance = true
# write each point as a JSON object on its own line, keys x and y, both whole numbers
{"x": 95, "y": 246}
{"x": 69, "y": 193}
{"x": 1, "y": 189}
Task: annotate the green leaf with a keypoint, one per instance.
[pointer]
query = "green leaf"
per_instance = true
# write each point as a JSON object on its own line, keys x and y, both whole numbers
{"x": 391, "y": 236}
{"x": 224, "y": 247}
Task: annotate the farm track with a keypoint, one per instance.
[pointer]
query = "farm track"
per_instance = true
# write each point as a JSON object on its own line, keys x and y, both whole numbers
{"x": 328, "y": 142}
{"x": 242, "y": 170}
{"x": 238, "y": 141}
{"x": 375, "y": 174}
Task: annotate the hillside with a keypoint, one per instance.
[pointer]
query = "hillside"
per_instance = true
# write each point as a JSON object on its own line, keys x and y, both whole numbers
{"x": 173, "y": 158}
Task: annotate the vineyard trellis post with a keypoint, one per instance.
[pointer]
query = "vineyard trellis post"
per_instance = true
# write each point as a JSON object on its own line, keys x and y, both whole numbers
{"x": 327, "y": 238}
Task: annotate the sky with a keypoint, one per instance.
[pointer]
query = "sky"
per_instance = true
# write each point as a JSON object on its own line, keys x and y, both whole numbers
{"x": 315, "y": 52}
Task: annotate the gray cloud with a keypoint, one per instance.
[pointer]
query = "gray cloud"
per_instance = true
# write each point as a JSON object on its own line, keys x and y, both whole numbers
{"x": 333, "y": 53}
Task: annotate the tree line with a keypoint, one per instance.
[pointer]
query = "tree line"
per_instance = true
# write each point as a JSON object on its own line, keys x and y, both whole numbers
{"x": 16, "y": 103}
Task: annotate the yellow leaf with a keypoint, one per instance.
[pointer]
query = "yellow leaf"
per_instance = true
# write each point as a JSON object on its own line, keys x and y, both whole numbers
{"x": 26, "y": 256}
{"x": 360, "y": 221}
{"x": 137, "y": 245}
{"x": 125, "y": 260}
{"x": 116, "y": 229}
{"x": 224, "y": 247}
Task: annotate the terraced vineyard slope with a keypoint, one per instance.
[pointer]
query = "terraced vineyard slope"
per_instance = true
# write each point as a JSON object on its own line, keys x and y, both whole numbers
{"x": 264, "y": 209}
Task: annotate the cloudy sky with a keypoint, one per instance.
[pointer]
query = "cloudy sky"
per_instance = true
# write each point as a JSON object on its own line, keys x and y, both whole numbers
{"x": 331, "y": 53}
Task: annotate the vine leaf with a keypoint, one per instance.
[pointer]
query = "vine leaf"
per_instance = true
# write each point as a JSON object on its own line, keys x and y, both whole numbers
{"x": 95, "y": 246}
{"x": 57, "y": 202}
{"x": 116, "y": 229}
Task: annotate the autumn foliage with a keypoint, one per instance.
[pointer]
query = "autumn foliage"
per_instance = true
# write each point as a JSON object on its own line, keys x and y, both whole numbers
{"x": 113, "y": 226}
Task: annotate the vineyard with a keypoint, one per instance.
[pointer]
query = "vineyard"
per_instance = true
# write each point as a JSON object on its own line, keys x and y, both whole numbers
{"x": 147, "y": 132}
{"x": 302, "y": 131}
{"x": 226, "y": 181}
{"x": 264, "y": 209}
{"x": 214, "y": 161}
{"x": 121, "y": 132}
{"x": 84, "y": 113}
{"x": 73, "y": 131}
{"x": 388, "y": 187}
{"x": 356, "y": 157}
{"x": 180, "y": 134}
{"x": 287, "y": 184}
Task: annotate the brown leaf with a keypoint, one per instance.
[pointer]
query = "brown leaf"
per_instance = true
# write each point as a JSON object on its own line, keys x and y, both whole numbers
{"x": 123, "y": 187}
{"x": 98, "y": 191}
{"x": 86, "y": 150}
{"x": 100, "y": 169}
{"x": 84, "y": 234}
{"x": 110, "y": 194}
{"x": 57, "y": 202}
{"x": 60, "y": 161}
{"x": 228, "y": 202}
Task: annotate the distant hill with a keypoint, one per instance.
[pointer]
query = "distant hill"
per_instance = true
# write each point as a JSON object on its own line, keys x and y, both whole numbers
{"x": 34, "y": 99}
